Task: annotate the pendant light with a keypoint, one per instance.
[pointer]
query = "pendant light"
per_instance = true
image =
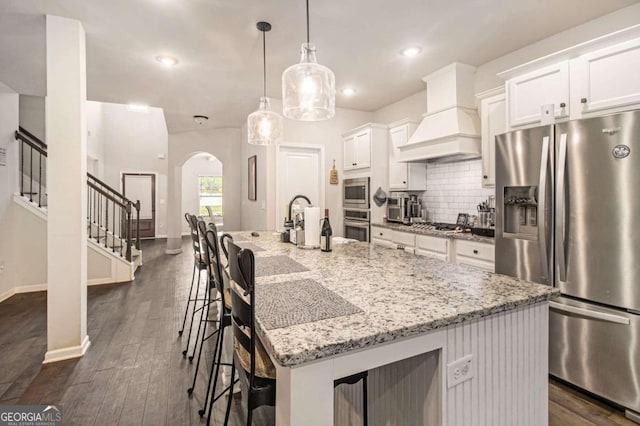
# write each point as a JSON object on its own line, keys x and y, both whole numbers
{"x": 264, "y": 127}
{"x": 308, "y": 88}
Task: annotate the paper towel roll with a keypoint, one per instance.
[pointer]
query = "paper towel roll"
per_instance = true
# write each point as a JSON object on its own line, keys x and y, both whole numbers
{"x": 312, "y": 226}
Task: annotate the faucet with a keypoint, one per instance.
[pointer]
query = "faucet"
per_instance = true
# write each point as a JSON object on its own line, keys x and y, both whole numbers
{"x": 294, "y": 199}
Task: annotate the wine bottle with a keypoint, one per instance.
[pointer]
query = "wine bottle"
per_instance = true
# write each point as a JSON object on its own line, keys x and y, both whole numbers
{"x": 325, "y": 233}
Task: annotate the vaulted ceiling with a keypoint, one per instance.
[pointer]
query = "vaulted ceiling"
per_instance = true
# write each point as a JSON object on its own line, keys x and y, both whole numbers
{"x": 219, "y": 49}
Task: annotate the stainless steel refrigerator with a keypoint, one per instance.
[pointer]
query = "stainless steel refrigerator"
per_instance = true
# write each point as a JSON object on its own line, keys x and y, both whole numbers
{"x": 568, "y": 215}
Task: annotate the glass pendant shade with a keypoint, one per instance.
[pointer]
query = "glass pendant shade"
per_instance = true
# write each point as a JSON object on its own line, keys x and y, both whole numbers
{"x": 264, "y": 127}
{"x": 308, "y": 88}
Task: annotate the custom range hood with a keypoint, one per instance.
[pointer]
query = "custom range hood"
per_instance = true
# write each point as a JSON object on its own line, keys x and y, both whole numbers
{"x": 450, "y": 130}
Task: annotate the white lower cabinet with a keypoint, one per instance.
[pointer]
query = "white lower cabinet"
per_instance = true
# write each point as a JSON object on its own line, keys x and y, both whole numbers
{"x": 432, "y": 246}
{"x": 475, "y": 254}
{"x": 461, "y": 252}
{"x": 404, "y": 241}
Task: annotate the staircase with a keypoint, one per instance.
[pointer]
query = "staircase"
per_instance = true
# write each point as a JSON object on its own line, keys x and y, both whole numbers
{"x": 112, "y": 219}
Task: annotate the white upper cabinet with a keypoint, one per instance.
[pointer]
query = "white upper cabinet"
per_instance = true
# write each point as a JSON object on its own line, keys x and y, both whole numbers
{"x": 357, "y": 150}
{"x": 493, "y": 121}
{"x": 606, "y": 79}
{"x": 529, "y": 92}
{"x": 404, "y": 176}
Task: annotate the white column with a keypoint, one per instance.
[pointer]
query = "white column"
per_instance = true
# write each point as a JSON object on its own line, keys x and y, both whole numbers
{"x": 175, "y": 215}
{"x": 66, "y": 135}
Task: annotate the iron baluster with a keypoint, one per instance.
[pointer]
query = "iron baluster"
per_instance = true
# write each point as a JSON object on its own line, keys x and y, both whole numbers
{"x": 40, "y": 181}
{"x": 114, "y": 228}
{"x": 129, "y": 226}
{"x": 31, "y": 175}
{"x": 138, "y": 224}
{"x": 106, "y": 218}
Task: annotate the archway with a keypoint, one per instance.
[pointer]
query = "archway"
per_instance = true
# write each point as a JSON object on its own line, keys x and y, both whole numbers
{"x": 202, "y": 188}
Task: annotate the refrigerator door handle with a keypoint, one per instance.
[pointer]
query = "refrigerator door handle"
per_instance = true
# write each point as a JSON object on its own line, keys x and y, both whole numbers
{"x": 560, "y": 215}
{"x": 588, "y": 313}
{"x": 542, "y": 204}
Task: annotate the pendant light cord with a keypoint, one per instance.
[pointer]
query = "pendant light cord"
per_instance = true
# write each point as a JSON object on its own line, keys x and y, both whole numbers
{"x": 264, "y": 65}
{"x": 307, "y": 21}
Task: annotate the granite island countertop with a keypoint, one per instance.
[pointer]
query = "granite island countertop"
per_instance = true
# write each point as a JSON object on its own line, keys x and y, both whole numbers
{"x": 468, "y": 236}
{"x": 398, "y": 295}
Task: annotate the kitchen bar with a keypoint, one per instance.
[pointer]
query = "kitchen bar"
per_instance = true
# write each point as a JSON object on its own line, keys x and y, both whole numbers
{"x": 403, "y": 306}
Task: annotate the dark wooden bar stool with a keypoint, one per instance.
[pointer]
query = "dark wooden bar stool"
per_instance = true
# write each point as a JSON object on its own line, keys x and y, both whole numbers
{"x": 199, "y": 265}
{"x": 217, "y": 274}
{"x": 257, "y": 372}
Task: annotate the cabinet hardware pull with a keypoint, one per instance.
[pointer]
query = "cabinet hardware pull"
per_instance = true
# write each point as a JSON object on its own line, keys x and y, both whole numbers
{"x": 562, "y": 105}
{"x": 404, "y": 181}
{"x": 583, "y": 100}
{"x": 475, "y": 252}
{"x": 486, "y": 177}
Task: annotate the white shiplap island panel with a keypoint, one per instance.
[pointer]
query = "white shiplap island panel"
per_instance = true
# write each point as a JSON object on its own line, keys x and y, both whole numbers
{"x": 413, "y": 316}
{"x": 509, "y": 385}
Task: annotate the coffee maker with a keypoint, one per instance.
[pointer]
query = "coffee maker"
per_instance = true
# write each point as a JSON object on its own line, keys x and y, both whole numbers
{"x": 414, "y": 209}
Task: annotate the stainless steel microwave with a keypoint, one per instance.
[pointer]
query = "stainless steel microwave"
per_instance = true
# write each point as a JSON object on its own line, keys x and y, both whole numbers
{"x": 356, "y": 193}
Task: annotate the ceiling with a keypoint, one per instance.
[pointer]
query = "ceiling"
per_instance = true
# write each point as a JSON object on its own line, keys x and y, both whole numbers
{"x": 220, "y": 50}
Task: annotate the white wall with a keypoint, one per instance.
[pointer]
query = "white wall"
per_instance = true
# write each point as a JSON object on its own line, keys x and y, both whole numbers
{"x": 96, "y": 137}
{"x": 327, "y": 133}
{"x": 32, "y": 115}
{"x": 198, "y": 165}
{"x": 8, "y": 185}
{"x": 412, "y": 107}
{"x": 130, "y": 141}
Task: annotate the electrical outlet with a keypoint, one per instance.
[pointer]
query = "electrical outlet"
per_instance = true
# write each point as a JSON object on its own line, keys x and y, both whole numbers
{"x": 459, "y": 371}
{"x": 1, "y": 266}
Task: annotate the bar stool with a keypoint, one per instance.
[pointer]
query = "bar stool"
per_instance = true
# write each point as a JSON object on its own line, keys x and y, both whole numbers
{"x": 217, "y": 272}
{"x": 257, "y": 372}
{"x": 212, "y": 260}
{"x": 200, "y": 265}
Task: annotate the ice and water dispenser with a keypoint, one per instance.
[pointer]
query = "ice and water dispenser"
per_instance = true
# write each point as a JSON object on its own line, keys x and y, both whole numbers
{"x": 521, "y": 211}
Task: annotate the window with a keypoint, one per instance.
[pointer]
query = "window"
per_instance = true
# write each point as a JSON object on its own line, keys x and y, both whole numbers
{"x": 210, "y": 191}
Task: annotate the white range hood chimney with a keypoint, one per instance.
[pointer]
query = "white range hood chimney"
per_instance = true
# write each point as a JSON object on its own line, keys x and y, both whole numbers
{"x": 450, "y": 130}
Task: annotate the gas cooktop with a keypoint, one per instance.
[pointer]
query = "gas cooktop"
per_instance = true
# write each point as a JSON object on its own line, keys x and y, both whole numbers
{"x": 435, "y": 226}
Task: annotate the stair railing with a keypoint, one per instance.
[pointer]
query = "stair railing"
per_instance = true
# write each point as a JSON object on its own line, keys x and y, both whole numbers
{"x": 110, "y": 214}
{"x": 30, "y": 145}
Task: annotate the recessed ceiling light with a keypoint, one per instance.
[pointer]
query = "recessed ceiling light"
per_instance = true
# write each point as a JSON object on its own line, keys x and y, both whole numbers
{"x": 200, "y": 119}
{"x": 348, "y": 91}
{"x": 167, "y": 60}
{"x": 138, "y": 107}
{"x": 410, "y": 52}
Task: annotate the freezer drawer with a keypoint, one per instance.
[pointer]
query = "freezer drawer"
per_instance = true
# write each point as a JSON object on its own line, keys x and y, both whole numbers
{"x": 597, "y": 349}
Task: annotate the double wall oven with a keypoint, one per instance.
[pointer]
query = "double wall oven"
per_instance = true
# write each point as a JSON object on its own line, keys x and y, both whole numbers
{"x": 357, "y": 213}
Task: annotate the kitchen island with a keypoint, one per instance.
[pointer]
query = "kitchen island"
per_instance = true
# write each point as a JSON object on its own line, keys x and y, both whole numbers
{"x": 386, "y": 307}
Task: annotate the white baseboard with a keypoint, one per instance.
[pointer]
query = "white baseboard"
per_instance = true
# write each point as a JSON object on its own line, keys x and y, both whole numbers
{"x": 100, "y": 281}
{"x": 67, "y": 353}
{"x": 7, "y": 294}
{"x": 30, "y": 288}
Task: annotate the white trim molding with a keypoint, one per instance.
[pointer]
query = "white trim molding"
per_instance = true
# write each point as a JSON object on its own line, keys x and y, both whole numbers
{"x": 67, "y": 353}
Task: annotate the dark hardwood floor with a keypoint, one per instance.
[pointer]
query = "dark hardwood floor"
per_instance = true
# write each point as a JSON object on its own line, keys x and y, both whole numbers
{"x": 134, "y": 372}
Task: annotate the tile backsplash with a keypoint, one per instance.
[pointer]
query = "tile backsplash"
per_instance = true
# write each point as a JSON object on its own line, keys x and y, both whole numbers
{"x": 454, "y": 188}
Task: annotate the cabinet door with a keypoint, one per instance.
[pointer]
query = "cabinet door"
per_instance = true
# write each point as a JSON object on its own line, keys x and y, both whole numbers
{"x": 527, "y": 93}
{"x": 349, "y": 153}
{"x": 607, "y": 78}
{"x": 398, "y": 172}
{"x": 362, "y": 148}
{"x": 493, "y": 112}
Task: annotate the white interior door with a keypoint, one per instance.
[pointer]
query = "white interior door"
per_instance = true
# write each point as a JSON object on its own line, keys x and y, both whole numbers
{"x": 299, "y": 171}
